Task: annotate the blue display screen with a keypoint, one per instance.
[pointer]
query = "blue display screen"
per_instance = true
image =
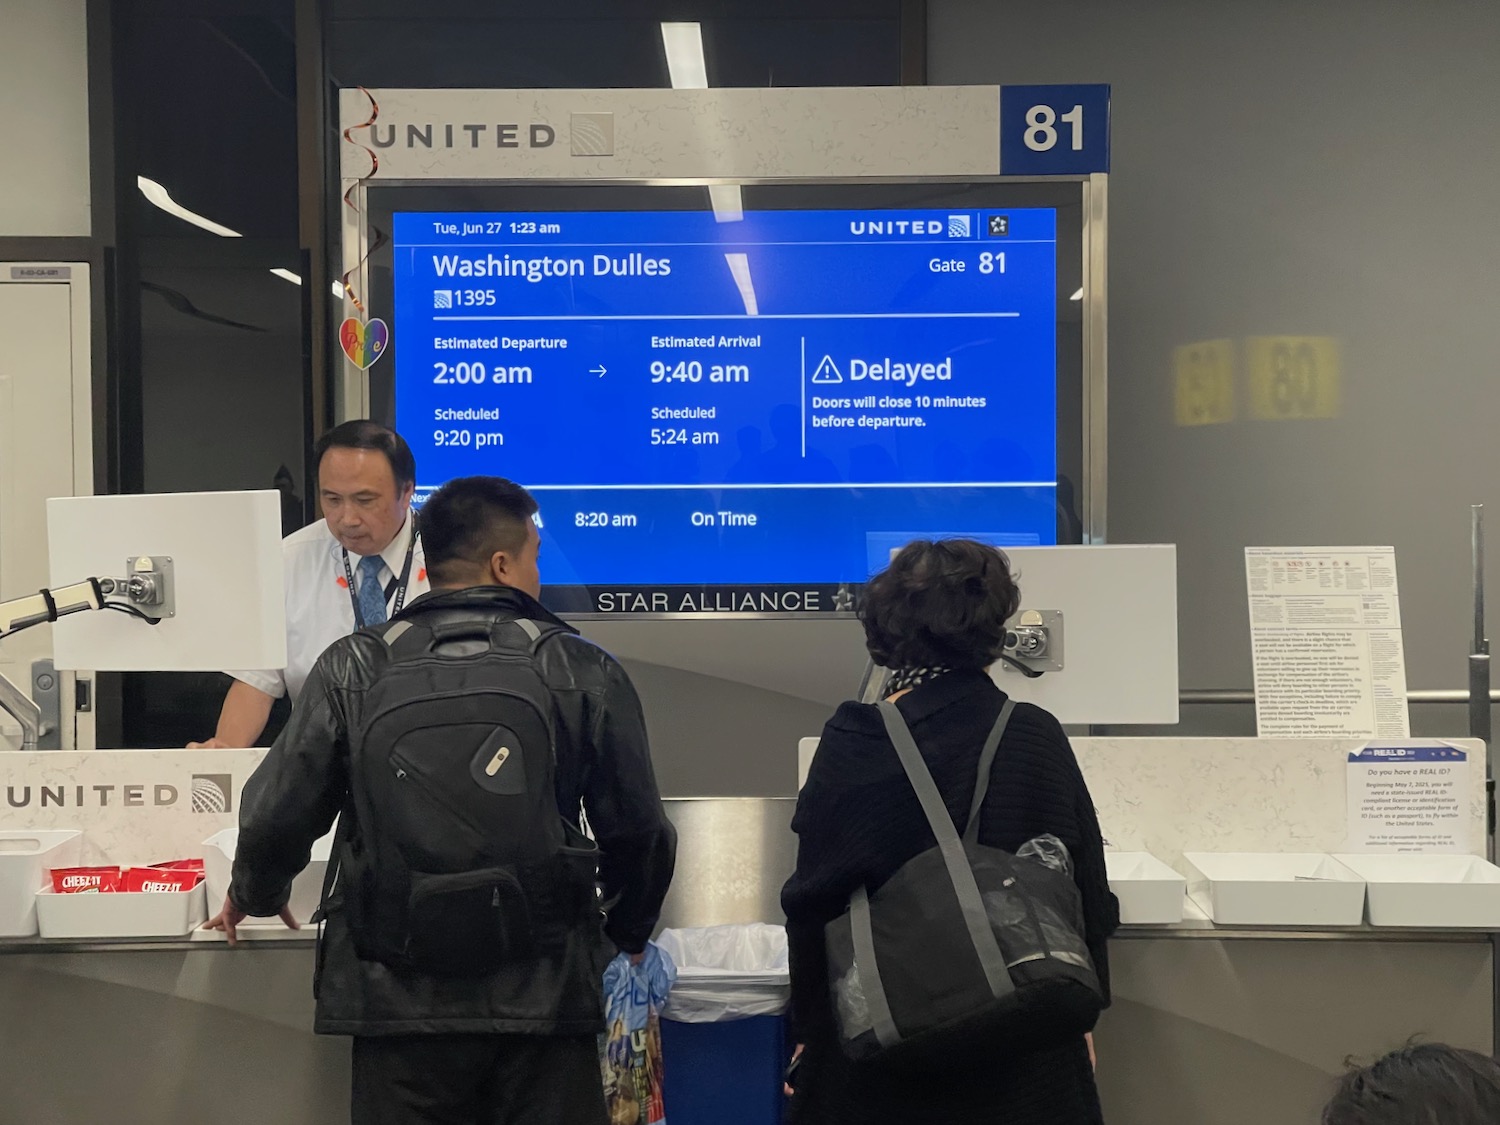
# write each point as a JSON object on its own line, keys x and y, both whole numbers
{"x": 777, "y": 399}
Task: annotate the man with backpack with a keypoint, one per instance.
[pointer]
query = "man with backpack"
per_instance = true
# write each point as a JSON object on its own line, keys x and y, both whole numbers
{"x": 456, "y": 744}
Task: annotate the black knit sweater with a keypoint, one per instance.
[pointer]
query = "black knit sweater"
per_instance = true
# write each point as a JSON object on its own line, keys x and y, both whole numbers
{"x": 858, "y": 821}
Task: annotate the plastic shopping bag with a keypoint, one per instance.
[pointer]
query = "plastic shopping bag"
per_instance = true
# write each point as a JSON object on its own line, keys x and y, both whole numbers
{"x": 630, "y": 1049}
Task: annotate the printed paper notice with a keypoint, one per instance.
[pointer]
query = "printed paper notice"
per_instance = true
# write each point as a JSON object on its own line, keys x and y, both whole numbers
{"x": 1325, "y": 630}
{"x": 1410, "y": 798}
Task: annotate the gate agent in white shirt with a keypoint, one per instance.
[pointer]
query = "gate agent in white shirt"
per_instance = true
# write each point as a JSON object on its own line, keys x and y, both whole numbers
{"x": 357, "y": 566}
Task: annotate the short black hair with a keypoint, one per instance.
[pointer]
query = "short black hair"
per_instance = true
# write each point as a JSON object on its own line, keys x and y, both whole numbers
{"x": 362, "y": 433}
{"x": 469, "y": 519}
{"x": 942, "y": 603}
{"x": 1421, "y": 1084}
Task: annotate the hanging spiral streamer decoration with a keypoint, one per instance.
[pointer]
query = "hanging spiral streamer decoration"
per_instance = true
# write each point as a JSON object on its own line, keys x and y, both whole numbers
{"x": 366, "y": 251}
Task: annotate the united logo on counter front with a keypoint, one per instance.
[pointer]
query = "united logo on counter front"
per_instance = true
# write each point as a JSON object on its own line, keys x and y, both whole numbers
{"x": 209, "y": 793}
{"x": 728, "y": 600}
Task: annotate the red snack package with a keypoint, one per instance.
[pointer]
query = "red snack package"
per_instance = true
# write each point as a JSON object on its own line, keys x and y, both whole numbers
{"x": 180, "y": 865}
{"x": 135, "y": 880}
{"x": 85, "y": 880}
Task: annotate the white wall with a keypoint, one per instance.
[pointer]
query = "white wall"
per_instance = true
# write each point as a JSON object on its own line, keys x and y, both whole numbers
{"x": 1321, "y": 169}
{"x": 44, "y": 135}
{"x": 45, "y": 448}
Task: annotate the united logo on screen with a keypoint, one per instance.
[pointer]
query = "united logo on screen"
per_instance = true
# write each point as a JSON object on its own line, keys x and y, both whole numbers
{"x": 958, "y": 226}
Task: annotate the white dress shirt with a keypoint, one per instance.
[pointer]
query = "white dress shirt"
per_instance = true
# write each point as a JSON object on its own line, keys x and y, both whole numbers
{"x": 318, "y": 607}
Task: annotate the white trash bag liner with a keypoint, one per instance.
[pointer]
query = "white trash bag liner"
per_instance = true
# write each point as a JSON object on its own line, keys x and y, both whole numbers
{"x": 727, "y": 972}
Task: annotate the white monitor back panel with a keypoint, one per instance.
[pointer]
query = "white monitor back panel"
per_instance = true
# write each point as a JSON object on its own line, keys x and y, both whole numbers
{"x": 226, "y": 555}
{"x": 1119, "y": 606}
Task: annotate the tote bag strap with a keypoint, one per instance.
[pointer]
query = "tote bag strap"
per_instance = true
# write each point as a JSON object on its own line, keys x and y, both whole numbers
{"x": 991, "y": 960}
{"x": 986, "y": 767}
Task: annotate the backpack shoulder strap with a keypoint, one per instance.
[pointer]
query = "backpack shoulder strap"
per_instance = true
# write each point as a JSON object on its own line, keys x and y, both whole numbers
{"x": 986, "y": 768}
{"x": 405, "y": 638}
{"x": 395, "y": 633}
{"x": 539, "y": 632}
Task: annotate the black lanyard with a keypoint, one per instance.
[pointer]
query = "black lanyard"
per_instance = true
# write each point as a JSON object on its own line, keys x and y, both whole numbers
{"x": 398, "y": 585}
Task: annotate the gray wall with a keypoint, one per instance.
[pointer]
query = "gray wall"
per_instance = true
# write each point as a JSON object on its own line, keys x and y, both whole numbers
{"x": 727, "y": 701}
{"x": 44, "y": 119}
{"x": 1280, "y": 168}
{"x": 1290, "y": 168}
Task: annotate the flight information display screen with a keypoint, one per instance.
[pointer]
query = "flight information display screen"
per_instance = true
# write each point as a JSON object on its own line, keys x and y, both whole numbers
{"x": 758, "y": 409}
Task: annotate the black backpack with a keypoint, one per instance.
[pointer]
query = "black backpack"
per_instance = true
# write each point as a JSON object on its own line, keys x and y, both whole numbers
{"x": 464, "y": 865}
{"x": 967, "y": 954}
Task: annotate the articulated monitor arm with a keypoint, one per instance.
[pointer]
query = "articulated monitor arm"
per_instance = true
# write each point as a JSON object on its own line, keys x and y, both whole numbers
{"x": 49, "y": 605}
{"x": 38, "y": 609}
{"x": 146, "y": 592}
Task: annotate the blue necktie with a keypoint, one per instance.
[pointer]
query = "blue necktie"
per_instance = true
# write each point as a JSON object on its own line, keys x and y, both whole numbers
{"x": 371, "y": 594}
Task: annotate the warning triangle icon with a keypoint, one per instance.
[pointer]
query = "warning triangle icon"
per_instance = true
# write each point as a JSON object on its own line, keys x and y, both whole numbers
{"x": 827, "y": 372}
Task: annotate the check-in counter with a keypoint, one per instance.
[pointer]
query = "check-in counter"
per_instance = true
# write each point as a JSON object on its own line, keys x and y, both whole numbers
{"x": 1211, "y": 1025}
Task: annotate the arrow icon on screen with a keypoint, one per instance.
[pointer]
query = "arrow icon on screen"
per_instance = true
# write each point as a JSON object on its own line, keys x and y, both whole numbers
{"x": 599, "y": 371}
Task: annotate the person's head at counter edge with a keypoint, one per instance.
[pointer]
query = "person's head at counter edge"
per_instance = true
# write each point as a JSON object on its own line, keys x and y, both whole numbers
{"x": 481, "y": 531}
{"x": 366, "y": 477}
{"x": 1420, "y": 1084}
{"x": 940, "y": 605}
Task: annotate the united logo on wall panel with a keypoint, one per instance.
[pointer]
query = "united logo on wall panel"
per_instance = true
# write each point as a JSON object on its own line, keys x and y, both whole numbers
{"x": 591, "y": 134}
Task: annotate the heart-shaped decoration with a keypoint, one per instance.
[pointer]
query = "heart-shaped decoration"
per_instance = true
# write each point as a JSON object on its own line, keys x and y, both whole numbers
{"x": 364, "y": 343}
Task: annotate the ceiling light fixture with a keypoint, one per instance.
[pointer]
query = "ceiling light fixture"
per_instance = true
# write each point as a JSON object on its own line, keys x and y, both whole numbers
{"x": 739, "y": 266}
{"x": 159, "y": 196}
{"x": 684, "y": 46}
{"x": 728, "y": 204}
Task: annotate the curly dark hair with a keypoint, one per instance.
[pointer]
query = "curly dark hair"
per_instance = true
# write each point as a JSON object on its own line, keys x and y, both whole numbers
{"x": 940, "y": 603}
{"x": 1421, "y": 1084}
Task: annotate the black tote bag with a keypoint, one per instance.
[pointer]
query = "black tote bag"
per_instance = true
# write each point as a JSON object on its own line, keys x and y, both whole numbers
{"x": 966, "y": 950}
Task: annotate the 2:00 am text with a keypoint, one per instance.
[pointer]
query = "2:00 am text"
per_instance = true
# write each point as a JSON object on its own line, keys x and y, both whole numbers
{"x": 476, "y": 374}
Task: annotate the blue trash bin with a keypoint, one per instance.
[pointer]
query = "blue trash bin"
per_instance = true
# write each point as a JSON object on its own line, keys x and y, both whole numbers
{"x": 723, "y": 1030}
{"x": 725, "y": 1073}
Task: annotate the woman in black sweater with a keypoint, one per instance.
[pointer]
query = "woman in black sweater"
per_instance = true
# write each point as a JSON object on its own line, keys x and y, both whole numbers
{"x": 936, "y": 617}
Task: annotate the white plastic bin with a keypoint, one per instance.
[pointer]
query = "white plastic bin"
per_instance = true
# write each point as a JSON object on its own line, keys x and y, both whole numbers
{"x": 1150, "y": 892}
{"x": 120, "y": 915}
{"x": 307, "y": 888}
{"x": 27, "y": 856}
{"x": 727, "y": 972}
{"x": 1307, "y": 889}
{"x": 1438, "y": 891}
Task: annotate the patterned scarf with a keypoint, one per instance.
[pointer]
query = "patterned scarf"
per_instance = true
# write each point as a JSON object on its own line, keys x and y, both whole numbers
{"x": 904, "y": 679}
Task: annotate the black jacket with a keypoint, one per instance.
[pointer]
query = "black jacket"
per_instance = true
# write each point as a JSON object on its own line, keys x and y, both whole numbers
{"x": 603, "y": 765}
{"x": 858, "y": 821}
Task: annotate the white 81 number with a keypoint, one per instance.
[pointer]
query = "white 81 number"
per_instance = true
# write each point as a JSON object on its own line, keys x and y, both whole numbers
{"x": 1041, "y": 134}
